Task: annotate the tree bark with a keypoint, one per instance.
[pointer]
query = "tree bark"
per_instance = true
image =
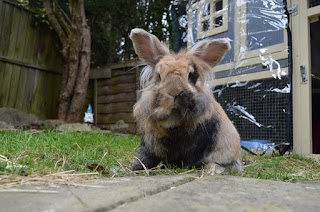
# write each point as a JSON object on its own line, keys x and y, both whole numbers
{"x": 76, "y": 44}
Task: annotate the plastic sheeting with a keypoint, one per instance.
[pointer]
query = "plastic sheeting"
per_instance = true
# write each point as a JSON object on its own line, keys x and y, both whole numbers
{"x": 252, "y": 82}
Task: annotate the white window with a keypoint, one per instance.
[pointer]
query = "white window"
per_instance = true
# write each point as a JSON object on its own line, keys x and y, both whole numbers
{"x": 212, "y": 17}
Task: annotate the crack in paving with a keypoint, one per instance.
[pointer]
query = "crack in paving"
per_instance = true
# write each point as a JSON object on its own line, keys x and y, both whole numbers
{"x": 78, "y": 198}
{"x": 147, "y": 194}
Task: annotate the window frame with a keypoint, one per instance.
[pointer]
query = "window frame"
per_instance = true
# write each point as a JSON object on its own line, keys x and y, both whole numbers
{"x": 212, "y": 16}
{"x": 242, "y": 56}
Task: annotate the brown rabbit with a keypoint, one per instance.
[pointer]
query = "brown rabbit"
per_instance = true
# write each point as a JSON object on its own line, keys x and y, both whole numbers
{"x": 180, "y": 121}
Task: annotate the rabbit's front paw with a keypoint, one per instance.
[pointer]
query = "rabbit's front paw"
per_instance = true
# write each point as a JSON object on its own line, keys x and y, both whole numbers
{"x": 213, "y": 168}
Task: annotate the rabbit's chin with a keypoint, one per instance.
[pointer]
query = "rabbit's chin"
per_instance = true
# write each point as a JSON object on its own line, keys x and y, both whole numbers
{"x": 169, "y": 118}
{"x": 169, "y": 123}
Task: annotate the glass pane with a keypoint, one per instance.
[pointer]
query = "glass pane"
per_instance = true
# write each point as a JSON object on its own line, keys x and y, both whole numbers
{"x": 313, "y": 3}
{"x": 205, "y": 26}
{"x": 218, "y": 5}
{"x": 218, "y": 21}
{"x": 206, "y": 10}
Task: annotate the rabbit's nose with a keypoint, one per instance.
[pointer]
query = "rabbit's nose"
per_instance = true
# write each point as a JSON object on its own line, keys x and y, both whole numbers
{"x": 182, "y": 95}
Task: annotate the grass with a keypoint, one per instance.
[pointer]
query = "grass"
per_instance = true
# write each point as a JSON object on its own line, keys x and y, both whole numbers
{"x": 44, "y": 153}
{"x": 290, "y": 167}
{"x": 51, "y": 152}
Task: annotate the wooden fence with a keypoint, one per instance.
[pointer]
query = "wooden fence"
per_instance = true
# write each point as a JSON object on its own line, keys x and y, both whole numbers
{"x": 30, "y": 72}
{"x": 30, "y": 63}
{"x": 114, "y": 94}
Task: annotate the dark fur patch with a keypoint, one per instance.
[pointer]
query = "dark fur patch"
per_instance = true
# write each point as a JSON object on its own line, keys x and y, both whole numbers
{"x": 148, "y": 159}
{"x": 183, "y": 148}
{"x": 191, "y": 105}
{"x": 185, "y": 103}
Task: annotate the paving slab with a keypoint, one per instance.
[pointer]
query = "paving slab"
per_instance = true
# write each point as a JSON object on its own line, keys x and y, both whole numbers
{"x": 227, "y": 193}
{"x": 95, "y": 195}
{"x": 165, "y": 193}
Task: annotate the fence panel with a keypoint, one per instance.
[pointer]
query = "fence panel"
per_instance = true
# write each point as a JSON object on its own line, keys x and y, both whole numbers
{"x": 114, "y": 94}
{"x": 30, "y": 63}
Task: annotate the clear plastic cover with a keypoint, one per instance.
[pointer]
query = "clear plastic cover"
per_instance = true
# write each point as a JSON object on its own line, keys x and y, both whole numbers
{"x": 252, "y": 82}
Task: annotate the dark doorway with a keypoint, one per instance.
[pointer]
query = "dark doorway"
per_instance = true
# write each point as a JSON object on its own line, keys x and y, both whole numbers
{"x": 315, "y": 71}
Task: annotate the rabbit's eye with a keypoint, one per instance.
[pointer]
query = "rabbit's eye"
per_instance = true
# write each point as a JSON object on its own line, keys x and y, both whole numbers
{"x": 193, "y": 77}
{"x": 158, "y": 77}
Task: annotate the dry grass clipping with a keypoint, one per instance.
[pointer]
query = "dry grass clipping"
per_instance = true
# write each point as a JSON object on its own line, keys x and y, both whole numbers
{"x": 51, "y": 180}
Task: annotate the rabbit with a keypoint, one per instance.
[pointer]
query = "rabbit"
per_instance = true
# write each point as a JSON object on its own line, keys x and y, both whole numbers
{"x": 180, "y": 121}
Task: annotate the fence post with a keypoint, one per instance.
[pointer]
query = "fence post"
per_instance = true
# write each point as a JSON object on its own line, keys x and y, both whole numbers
{"x": 95, "y": 100}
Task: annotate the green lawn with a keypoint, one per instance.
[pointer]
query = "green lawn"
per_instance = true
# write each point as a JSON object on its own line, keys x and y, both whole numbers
{"x": 289, "y": 167}
{"x": 50, "y": 152}
{"x": 42, "y": 153}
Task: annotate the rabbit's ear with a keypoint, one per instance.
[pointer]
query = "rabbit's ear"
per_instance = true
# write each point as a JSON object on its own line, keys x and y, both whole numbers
{"x": 147, "y": 46}
{"x": 211, "y": 51}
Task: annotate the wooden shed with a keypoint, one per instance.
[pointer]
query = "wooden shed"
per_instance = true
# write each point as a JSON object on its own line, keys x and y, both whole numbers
{"x": 114, "y": 92}
{"x": 269, "y": 82}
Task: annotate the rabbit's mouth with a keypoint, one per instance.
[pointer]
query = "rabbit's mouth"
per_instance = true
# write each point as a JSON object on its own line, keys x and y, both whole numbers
{"x": 175, "y": 110}
{"x": 172, "y": 118}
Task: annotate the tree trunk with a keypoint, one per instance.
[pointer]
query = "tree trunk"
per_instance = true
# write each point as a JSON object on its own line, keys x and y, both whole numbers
{"x": 75, "y": 37}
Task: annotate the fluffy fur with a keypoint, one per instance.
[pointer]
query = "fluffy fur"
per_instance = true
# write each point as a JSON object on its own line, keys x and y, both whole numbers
{"x": 180, "y": 121}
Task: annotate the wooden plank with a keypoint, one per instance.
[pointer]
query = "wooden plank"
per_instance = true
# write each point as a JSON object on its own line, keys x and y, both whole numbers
{"x": 40, "y": 94}
{"x": 30, "y": 55}
{"x": 43, "y": 51}
{"x": 21, "y": 93}
{"x": 47, "y": 50}
{"x": 115, "y": 89}
{"x": 90, "y": 84}
{"x": 131, "y": 63}
{"x": 2, "y": 65}
{"x": 302, "y": 96}
{"x": 23, "y": 45}
{"x": 14, "y": 33}
{"x": 2, "y": 12}
{"x": 37, "y": 47}
{"x": 30, "y": 87}
{"x": 26, "y": 47}
{"x": 95, "y": 101}
{"x": 14, "y": 86}
{"x": 16, "y": 51}
{"x": 313, "y": 11}
{"x": 50, "y": 97}
{"x": 29, "y": 65}
{"x": 55, "y": 96}
{"x": 130, "y": 78}
{"x": 100, "y": 73}
{"x": 119, "y": 107}
{"x": 56, "y": 59}
{"x": 6, "y": 28}
{"x": 6, "y": 85}
{"x": 15, "y": 3}
{"x": 123, "y": 71}
{"x": 89, "y": 93}
{"x": 132, "y": 128}
{"x": 42, "y": 101}
{"x": 113, "y": 118}
{"x": 121, "y": 97}
{"x": 138, "y": 72}
{"x": 2, "y": 73}
{"x": 119, "y": 68}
